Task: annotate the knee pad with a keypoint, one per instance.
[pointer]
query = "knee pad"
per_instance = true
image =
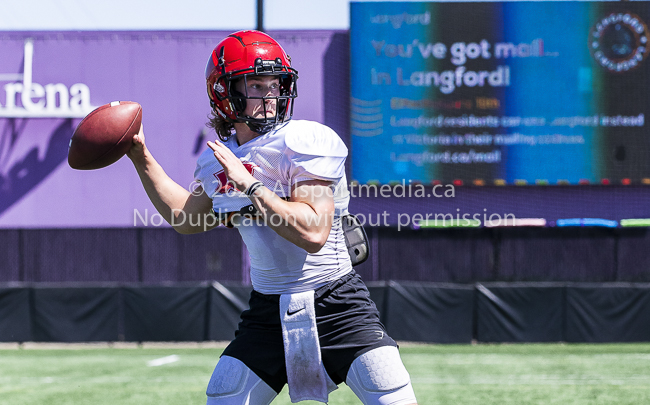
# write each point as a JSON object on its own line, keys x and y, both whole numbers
{"x": 378, "y": 377}
{"x": 232, "y": 383}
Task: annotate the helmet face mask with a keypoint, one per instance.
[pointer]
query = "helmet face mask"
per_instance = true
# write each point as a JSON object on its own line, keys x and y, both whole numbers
{"x": 240, "y": 57}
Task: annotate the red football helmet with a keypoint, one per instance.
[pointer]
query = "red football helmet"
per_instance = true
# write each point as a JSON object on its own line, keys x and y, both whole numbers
{"x": 243, "y": 54}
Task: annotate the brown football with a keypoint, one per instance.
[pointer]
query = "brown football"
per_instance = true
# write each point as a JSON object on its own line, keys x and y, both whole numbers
{"x": 104, "y": 135}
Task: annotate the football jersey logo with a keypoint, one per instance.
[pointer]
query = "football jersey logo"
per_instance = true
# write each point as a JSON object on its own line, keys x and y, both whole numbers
{"x": 224, "y": 186}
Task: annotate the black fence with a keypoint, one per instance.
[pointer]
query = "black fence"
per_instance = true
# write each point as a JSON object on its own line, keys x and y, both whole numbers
{"x": 155, "y": 255}
{"x": 424, "y": 312}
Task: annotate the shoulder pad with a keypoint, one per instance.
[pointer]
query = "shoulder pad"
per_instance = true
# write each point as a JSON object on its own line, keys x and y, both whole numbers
{"x": 312, "y": 138}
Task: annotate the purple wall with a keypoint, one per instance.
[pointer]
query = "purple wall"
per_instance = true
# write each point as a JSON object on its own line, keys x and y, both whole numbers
{"x": 163, "y": 71}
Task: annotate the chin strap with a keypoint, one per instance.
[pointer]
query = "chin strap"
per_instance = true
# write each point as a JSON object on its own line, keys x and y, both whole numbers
{"x": 261, "y": 129}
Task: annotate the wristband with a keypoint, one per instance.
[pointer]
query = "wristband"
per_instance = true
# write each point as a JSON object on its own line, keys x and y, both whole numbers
{"x": 253, "y": 188}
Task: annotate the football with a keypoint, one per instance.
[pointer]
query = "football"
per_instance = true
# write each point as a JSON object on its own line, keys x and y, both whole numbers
{"x": 104, "y": 135}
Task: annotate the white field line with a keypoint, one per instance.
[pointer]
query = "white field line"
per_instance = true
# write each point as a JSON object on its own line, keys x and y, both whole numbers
{"x": 163, "y": 360}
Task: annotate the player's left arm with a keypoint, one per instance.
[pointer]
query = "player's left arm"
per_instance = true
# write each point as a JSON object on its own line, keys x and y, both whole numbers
{"x": 305, "y": 220}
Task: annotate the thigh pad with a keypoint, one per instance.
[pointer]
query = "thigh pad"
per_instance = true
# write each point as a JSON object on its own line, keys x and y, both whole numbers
{"x": 232, "y": 383}
{"x": 380, "y": 370}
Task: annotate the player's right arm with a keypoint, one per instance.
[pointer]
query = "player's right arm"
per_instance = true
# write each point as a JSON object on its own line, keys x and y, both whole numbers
{"x": 173, "y": 202}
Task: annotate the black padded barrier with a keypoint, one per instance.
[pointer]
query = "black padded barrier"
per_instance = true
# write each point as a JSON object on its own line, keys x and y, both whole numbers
{"x": 75, "y": 314}
{"x": 608, "y": 313}
{"x": 15, "y": 316}
{"x": 520, "y": 312}
{"x": 165, "y": 313}
{"x": 226, "y": 303}
{"x": 424, "y": 312}
{"x": 436, "y": 313}
{"x": 378, "y": 294}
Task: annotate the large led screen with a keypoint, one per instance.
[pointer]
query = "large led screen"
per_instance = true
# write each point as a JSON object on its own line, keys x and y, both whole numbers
{"x": 500, "y": 93}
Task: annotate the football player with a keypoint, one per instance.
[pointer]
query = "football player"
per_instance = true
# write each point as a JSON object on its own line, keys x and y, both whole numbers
{"x": 281, "y": 183}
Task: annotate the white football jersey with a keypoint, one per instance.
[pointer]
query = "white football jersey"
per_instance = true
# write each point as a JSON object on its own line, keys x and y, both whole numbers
{"x": 294, "y": 152}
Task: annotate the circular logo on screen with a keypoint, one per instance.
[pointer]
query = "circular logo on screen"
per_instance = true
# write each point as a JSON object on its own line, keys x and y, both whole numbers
{"x": 619, "y": 42}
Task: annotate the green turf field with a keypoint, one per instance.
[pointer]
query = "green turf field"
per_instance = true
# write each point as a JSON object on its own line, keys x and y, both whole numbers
{"x": 442, "y": 374}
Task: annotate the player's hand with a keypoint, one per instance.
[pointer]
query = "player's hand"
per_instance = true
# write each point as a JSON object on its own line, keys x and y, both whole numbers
{"x": 232, "y": 166}
{"x": 138, "y": 147}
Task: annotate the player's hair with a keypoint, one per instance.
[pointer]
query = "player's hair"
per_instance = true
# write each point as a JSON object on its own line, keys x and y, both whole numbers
{"x": 223, "y": 128}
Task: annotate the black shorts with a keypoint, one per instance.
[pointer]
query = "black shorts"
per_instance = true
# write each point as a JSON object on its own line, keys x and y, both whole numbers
{"x": 348, "y": 326}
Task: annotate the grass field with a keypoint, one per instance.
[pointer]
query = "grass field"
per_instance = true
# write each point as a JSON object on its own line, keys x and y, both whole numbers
{"x": 519, "y": 374}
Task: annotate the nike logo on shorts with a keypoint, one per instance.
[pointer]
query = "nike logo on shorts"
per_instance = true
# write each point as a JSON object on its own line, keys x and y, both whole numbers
{"x": 295, "y": 311}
